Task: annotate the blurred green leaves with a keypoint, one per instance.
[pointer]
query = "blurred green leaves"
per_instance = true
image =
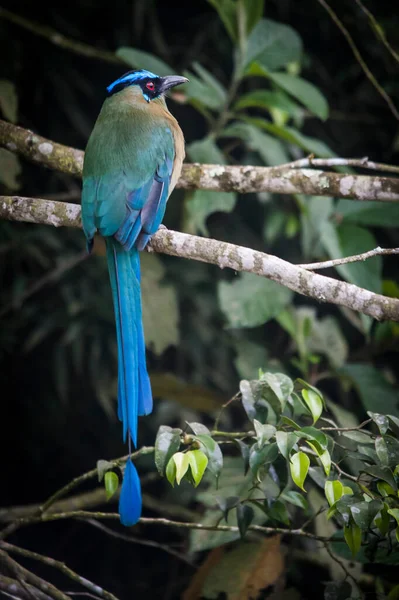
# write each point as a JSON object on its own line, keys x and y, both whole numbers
{"x": 250, "y": 301}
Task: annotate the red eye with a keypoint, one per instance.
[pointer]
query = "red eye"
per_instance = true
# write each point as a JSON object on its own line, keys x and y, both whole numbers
{"x": 150, "y": 86}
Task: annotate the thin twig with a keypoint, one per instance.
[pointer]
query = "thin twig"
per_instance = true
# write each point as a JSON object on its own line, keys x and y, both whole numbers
{"x": 361, "y": 163}
{"x": 136, "y": 540}
{"x": 378, "y": 30}
{"x": 340, "y": 429}
{"x": 360, "y": 59}
{"x": 56, "y": 38}
{"x": 39, "y": 515}
{"x": 326, "y": 264}
{"x": 336, "y": 559}
{"x": 236, "y": 396}
{"x": 51, "y": 562}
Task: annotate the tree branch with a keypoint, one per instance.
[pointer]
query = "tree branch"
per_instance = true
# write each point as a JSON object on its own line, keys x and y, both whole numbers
{"x": 243, "y": 179}
{"x": 14, "y": 589}
{"x": 222, "y": 254}
{"x": 84, "y": 515}
{"x": 350, "y": 259}
{"x": 24, "y": 575}
{"x": 51, "y": 562}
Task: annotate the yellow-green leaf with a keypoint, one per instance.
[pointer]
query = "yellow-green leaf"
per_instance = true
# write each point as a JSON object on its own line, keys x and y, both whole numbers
{"x": 333, "y": 491}
{"x": 353, "y": 537}
{"x": 170, "y": 471}
{"x": 198, "y": 462}
{"x": 324, "y": 457}
{"x": 111, "y": 483}
{"x": 299, "y": 467}
{"x": 314, "y": 403}
{"x": 394, "y": 512}
{"x": 182, "y": 463}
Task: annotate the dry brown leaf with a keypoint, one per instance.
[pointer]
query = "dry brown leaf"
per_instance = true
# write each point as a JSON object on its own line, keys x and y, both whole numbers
{"x": 194, "y": 591}
{"x": 240, "y": 573}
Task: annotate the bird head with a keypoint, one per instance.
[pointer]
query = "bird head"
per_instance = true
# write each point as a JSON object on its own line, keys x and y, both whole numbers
{"x": 152, "y": 86}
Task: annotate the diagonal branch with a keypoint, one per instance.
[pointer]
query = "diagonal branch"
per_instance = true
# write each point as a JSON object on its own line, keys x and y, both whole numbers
{"x": 220, "y": 178}
{"x": 56, "y": 564}
{"x": 222, "y": 254}
{"x": 336, "y": 262}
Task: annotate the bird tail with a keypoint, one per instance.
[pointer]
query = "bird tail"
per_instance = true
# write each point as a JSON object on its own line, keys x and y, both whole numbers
{"x": 134, "y": 389}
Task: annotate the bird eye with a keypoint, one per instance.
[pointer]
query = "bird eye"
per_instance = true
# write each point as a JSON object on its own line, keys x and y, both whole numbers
{"x": 150, "y": 86}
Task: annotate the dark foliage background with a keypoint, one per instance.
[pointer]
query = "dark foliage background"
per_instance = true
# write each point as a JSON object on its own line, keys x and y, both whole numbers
{"x": 57, "y": 351}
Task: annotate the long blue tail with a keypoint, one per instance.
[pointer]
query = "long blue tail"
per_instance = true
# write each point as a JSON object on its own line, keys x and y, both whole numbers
{"x": 134, "y": 389}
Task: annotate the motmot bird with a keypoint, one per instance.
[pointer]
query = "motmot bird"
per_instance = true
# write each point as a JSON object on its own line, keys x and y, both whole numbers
{"x": 132, "y": 162}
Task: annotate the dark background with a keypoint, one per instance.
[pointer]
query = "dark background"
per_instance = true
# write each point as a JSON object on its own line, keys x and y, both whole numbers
{"x": 53, "y": 424}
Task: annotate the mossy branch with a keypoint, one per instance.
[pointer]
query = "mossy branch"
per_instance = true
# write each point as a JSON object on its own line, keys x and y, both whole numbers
{"x": 284, "y": 179}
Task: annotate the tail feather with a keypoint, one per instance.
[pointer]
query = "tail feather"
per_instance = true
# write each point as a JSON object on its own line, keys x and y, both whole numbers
{"x": 130, "y": 497}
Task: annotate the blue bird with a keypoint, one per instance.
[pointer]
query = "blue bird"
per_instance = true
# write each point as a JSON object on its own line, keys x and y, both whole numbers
{"x": 132, "y": 162}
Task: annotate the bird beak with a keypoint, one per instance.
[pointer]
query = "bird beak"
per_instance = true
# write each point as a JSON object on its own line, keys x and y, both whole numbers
{"x": 170, "y": 81}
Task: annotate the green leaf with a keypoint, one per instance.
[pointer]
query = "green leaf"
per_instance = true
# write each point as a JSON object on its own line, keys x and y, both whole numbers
{"x": 217, "y": 88}
{"x": 226, "y": 504}
{"x": 199, "y": 428}
{"x": 394, "y": 512}
{"x": 249, "y": 301}
{"x": 353, "y": 537}
{"x": 269, "y": 100}
{"x": 263, "y": 432}
{"x": 286, "y": 442}
{"x": 368, "y": 213}
{"x": 315, "y": 435}
{"x": 273, "y": 45}
{"x": 299, "y": 467}
{"x": 280, "y": 384}
{"x": 278, "y": 512}
{"x": 230, "y": 483}
{"x": 382, "y": 450}
{"x": 269, "y": 148}
{"x": 167, "y": 443}
{"x": 295, "y": 498}
{"x": 170, "y": 471}
{"x": 198, "y": 462}
{"x": 363, "y": 513}
{"x": 304, "y": 91}
{"x": 213, "y": 453}
{"x": 324, "y": 456}
{"x": 102, "y": 467}
{"x": 333, "y": 491}
{"x": 8, "y": 100}
{"x": 262, "y": 457}
{"x": 182, "y": 463}
{"x": 381, "y": 421}
{"x": 144, "y": 60}
{"x": 204, "y": 91}
{"x": 373, "y": 388}
{"x": 202, "y": 203}
{"x": 245, "y": 516}
{"x": 111, "y": 483}
{"x": 161, "y": 327}
{"x": 10, "y": 169}
{"x": 383, "y": 473}
{"x": 314, "y": 404}
{"x": 227, "y": 13}
{"x": 253, "y": 12}
{"x": 346, "y": 240}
